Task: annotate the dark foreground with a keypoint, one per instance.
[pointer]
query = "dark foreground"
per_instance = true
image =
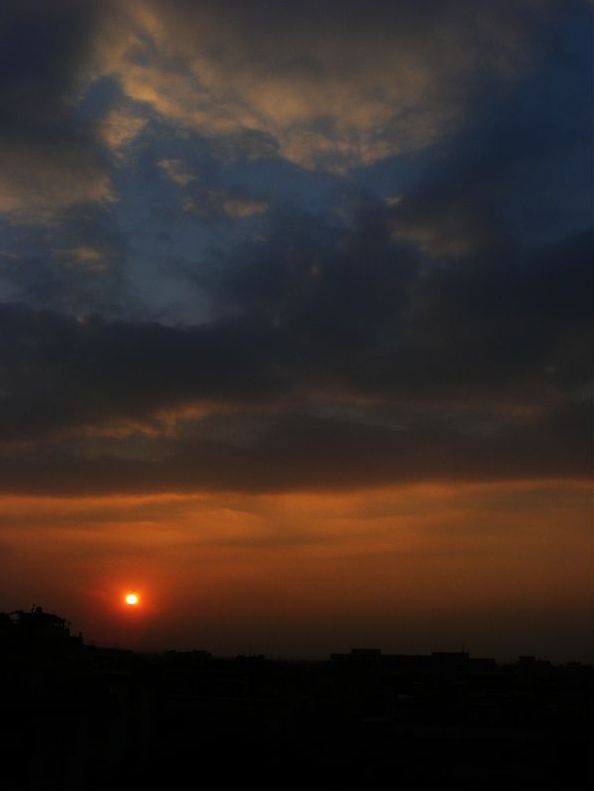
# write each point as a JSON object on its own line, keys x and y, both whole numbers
{"x": 78, "y": 717}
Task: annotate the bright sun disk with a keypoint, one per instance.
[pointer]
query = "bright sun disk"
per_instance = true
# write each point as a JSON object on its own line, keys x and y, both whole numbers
{"x": 131, "y": 599}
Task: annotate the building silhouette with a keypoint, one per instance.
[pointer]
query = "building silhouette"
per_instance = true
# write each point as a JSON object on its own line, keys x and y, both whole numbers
{"x": 75, "y": 716}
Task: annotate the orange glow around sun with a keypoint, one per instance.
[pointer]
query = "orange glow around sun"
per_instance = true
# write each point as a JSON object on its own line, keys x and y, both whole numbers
{"x": 132, "y": 599}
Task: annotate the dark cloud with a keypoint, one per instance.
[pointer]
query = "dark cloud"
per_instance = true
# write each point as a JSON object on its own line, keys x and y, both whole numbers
{"x": 49, "y": 156}
{"x": 300, "y": 452}
{"x": 343, "y": 323}
{"x": 60, "y": 372}
{"x": 469, "y": 372}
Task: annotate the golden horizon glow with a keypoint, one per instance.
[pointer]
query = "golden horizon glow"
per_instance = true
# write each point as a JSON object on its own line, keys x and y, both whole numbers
{"x": 446, "y": 560}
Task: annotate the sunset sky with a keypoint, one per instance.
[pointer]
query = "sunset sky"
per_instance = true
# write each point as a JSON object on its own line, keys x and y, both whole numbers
{"x": 296, "y": 323}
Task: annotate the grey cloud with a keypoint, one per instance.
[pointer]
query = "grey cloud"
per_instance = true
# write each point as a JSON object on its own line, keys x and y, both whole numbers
{"x": 334, "y": 85}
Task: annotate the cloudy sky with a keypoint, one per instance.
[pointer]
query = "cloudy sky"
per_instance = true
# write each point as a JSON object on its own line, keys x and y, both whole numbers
{"x": 296, "y": 322}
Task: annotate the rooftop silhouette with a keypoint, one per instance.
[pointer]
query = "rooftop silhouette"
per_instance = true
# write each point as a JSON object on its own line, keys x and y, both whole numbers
{"x": 82, "y": 717}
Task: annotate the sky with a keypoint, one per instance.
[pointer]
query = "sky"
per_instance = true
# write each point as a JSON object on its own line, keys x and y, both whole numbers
{"x": 296, "y": 323}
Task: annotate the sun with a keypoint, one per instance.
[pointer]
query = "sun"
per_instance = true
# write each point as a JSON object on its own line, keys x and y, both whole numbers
{"x": 132, "y": 599}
